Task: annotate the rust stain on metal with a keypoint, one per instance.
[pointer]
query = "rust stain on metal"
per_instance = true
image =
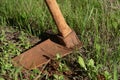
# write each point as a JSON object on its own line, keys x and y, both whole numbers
{"x": 40, "y": 54}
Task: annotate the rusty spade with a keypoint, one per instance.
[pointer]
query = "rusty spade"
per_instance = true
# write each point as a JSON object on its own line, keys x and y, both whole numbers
{"x": 42, "y": 53}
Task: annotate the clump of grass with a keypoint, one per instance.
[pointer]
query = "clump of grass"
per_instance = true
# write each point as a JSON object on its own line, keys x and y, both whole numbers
{"x": 31, "y": 15}
{"x": 9, "y": 49}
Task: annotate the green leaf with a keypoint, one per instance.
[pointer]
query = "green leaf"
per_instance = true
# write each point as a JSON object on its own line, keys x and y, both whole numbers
{"x": 81, "y": 62}
{"x": 115, "y": 24}
{"x": 58, "y": 77}
{"x": 2, "y": 78}
{"x": 115, "y": 72}
{"x": 97, "y": 47}
{"x": 91, "y": 63}
{"x": 107, "y": 75}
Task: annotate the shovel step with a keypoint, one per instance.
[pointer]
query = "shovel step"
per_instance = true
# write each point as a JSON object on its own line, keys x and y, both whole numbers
{"x": 40, "y": 55}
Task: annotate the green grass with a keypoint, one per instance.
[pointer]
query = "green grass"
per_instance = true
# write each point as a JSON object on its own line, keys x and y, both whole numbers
{"x": 96, "y": 22}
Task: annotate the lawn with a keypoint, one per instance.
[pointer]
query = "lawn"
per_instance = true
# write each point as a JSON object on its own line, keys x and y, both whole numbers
{"x": 96, "y": 22}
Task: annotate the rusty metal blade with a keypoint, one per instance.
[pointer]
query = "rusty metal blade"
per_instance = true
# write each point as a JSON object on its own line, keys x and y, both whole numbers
{"x": 40, "y": 54}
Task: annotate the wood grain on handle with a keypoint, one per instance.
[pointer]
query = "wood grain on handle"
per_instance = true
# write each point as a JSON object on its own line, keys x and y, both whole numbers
{"x": 63, "y": 28}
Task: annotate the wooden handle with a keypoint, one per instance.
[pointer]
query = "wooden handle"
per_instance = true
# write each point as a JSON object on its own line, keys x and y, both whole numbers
{"x": 62, "y": 26}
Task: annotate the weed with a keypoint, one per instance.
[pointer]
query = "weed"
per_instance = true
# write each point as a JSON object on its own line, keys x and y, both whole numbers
{"x": 58, "y": 77}
{"x": 2, "y": 36}
{"x": 24, "y": 41}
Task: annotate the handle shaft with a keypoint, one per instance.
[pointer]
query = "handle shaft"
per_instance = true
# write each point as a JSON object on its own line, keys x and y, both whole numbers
{"x": 62, "y": 26}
